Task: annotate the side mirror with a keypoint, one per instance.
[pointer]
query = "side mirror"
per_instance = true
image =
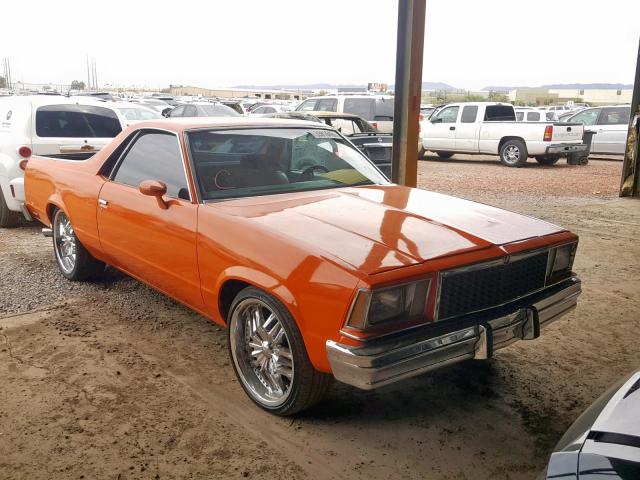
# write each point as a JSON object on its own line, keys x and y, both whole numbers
{"x": 165, "y": 113}
{"x": 154, "y": 188}
{"x": 436, "y": 120}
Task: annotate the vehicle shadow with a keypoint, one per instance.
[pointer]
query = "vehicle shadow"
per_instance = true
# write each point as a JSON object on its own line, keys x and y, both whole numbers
{"x": 495, "y": 162}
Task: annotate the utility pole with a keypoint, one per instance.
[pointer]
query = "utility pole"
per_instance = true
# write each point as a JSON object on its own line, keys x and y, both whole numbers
{"x": 6, "y": 68}
{"x": 88, "y": 74}
{"x": 630, "y": 182}
{"x": 408, "y": 91}
{"x": 95, "y": 74}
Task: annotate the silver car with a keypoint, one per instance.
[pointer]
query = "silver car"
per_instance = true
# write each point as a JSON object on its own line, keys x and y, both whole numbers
{"x": 610, "y": 124}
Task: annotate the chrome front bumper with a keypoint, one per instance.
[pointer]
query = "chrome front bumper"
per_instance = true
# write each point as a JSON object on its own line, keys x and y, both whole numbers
{"x": 388, "y": 360}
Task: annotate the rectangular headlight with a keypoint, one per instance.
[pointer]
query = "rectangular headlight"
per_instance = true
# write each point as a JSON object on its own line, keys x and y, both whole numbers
{"x": 379, "y": 306}
{"x": 561, "y": 259}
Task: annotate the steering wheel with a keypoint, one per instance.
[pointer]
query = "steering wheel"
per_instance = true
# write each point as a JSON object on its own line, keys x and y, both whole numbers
{"x": 308, "y": 173}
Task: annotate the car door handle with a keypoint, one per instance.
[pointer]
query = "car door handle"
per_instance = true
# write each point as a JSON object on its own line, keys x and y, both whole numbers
{"x": 103, "y": 203}
{"x": 452, "y": 128}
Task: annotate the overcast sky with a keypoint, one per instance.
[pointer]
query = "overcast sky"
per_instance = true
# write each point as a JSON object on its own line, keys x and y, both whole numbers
{"x": 468, "y": 43}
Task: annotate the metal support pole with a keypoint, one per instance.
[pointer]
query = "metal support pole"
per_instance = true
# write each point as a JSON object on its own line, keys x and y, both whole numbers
{"x": 630, "y": 183}
{"x": 408, "y": 91}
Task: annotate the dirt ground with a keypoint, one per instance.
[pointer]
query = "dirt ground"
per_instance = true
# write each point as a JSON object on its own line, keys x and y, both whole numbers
{"x": 111, "y": 380}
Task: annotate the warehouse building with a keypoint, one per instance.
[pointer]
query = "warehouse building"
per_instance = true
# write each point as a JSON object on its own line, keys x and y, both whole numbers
{"x": 179, "y": 90}
{"x": 550, "y": 96}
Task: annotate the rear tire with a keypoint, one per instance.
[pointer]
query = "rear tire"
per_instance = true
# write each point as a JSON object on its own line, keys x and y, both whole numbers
{"x": 74, "y": 261}
{"x": 513, "y": 153}
{"x": 421, "y": 153}
{"x": 547, "y": 159}
{"x": 445, "y": 155}
{"x": 269, "y": 357}
{"x": 8, "y": 218}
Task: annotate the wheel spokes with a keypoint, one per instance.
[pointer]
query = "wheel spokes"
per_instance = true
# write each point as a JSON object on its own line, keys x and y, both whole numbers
{"x": 267, "y": 351}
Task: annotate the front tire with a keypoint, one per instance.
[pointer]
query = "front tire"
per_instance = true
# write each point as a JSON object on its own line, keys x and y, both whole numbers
{"x": 8, "y": 218}
{"x": 445, "y": 155}
{"x": 269, "y": 357}
{"x": 513, "y": 153}
{"x": 74, "y": 261}
{"x": 547, "y": 159}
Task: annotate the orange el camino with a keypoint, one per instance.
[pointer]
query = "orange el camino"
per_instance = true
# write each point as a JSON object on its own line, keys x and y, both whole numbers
{"x": 319, "y": 267}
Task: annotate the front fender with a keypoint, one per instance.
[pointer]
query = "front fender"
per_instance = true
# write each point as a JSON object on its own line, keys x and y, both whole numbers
{"x": 263, "y": 281}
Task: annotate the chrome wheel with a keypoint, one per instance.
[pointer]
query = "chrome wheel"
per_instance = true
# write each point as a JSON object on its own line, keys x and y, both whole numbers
{"x": 65, "y": 244}
{"x": 511, "y": 154}
{"x": 261, "y": 351}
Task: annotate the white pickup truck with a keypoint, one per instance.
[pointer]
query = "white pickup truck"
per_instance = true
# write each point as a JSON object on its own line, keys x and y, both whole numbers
{"x": 491, "y": 128}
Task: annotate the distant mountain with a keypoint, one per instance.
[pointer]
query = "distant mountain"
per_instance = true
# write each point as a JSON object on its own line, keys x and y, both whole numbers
{"x": 437, "y": 86}
{"x": 494, "y": 88}
{"x": 333, "y": 86}
{"x": 581, "y": 86}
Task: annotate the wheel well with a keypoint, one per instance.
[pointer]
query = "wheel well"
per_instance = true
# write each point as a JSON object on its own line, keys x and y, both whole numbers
{"x": 228, "y": 292}
{"x": 51, "y": 208}
{"x": 504, "y": 140}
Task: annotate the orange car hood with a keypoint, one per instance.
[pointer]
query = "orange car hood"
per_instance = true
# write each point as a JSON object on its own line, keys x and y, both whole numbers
{"x": 379, "y": 228}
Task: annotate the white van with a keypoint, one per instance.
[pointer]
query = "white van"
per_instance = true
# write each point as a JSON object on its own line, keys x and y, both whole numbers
{"x": 47, "y": 125}
{"x": 376, "y": 109}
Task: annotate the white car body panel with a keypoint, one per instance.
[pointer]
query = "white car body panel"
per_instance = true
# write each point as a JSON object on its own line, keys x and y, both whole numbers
{"x": 18, "y": 128}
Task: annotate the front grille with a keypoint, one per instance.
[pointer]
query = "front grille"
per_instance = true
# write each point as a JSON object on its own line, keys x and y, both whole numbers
{"x": 466, "y": 291}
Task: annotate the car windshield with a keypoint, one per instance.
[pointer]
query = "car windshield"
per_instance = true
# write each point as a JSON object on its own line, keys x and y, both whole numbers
{"x": 139, "y": 113}
{"x": 265, "y": 161}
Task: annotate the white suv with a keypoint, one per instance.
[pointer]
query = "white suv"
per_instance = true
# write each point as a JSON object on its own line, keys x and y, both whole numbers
{"x": 47, "y": 125}
{"x": 375, "y": 109}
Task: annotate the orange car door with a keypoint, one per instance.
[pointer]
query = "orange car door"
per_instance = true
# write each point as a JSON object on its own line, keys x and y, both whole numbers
{"x": 155, "y": 244}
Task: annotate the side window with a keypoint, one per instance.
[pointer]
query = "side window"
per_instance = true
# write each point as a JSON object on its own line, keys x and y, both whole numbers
{"x": 550, "y": 116}
{"x": 190, "y": 111}
{"x": 469, "y": 114}
{"x": 519, "y": 116}
{"x": 155, "y": 156}
{"x": 177, "y": 112}
{"x": 76, "y": 121}
{"x": 268, "y": 110}
{"x": 363, "y": 107}
{"x": 384, "y": 109}
{"x": 307, "y": 106}
{"x": 615, "y": 116}
{"x": 327, "y": 105}
{"x": 447, "y": 115}
{"x": 586, "y": 117}
{"x": 533, "y": 116}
